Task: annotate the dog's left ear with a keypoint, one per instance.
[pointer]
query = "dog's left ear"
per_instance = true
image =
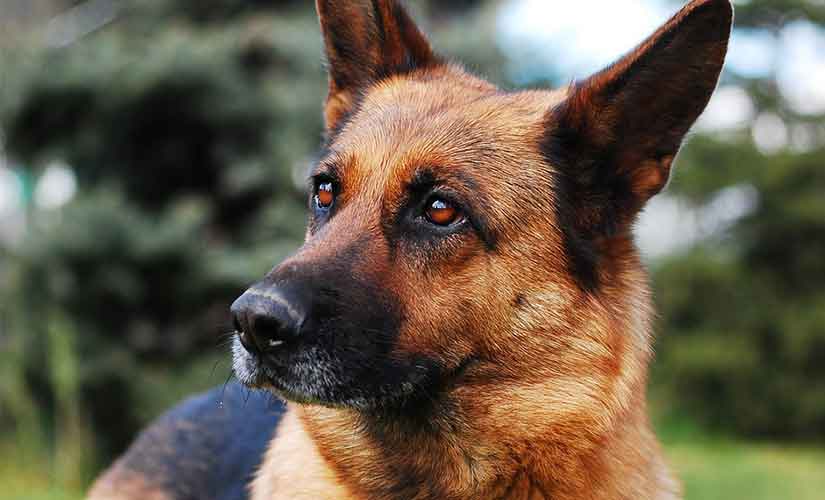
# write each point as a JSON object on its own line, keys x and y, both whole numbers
{"x": 614, "y": 138}
{"x": 365, "y": 42}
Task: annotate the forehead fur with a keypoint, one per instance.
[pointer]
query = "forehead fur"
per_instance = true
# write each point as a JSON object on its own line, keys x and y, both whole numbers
{"x": 450, "y": 122}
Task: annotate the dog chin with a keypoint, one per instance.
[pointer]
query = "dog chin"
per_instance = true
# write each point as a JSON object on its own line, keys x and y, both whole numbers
{"x": 312, "y": 377}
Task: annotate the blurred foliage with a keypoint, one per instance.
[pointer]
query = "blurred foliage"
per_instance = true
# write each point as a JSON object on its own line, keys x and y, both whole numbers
{"x": 744, "y": 318}
{"x": 190, "y": 125}
{"x": 184, "y": 139}
{"x": 773, "y": 14}
{"x": 743, "y": 314}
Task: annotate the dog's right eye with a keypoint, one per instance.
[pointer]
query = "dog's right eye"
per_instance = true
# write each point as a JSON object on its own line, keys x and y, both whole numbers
{"x": 324, "y": 195}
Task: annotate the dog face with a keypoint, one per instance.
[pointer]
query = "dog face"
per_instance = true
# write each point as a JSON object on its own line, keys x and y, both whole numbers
{"x": 470, "y": 247}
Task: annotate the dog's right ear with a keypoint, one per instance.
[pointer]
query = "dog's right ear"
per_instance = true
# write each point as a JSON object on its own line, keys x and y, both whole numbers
{"x": 367, "y": 41}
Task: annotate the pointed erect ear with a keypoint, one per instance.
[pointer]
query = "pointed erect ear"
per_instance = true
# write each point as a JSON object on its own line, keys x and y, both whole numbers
{"x": 367, "y": 41}
{"x": 614, "y": 138}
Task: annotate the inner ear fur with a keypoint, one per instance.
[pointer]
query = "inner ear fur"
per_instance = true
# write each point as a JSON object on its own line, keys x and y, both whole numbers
{"x": 614, "y": 138}
{"x": 365, "y": 42}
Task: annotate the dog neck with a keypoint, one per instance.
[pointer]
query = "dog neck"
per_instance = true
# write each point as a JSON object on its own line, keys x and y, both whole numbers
{"x": 333, "y": 453}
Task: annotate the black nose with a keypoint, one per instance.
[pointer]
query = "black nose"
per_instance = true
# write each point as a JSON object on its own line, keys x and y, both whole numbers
{"x": 266, "y": 319}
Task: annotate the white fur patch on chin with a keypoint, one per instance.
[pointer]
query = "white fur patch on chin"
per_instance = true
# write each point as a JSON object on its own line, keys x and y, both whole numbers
{"x": 245, "y": 366}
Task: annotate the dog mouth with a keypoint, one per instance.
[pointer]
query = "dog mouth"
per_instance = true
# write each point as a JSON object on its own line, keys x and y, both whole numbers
{"x": 261, "y": 370}
{"x": 312, "y": 376}
{"x": 305, "y": 375}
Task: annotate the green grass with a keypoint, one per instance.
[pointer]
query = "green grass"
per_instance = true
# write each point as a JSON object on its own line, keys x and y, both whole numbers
{"x": 711, "y": 468}
{"x": 718, "y": 467}
{"x": 27, "y": 477}
{"x": 724, "y": 471}
{"x": 28, "y": 472}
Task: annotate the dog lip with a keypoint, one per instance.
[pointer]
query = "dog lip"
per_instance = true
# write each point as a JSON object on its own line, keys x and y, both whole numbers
{"x": 268, "y": 366}
{"x": 245, "y": 341}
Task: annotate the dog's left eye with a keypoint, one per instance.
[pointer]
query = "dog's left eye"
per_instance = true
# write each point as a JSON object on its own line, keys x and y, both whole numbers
{"x": 441, "y": 212}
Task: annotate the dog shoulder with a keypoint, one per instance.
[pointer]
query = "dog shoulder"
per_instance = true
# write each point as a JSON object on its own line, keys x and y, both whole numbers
{"x": 208, "y": 447}
{"x": 307, "y": 474}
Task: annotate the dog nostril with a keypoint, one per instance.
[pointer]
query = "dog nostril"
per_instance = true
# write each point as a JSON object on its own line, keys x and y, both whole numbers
{"x": 266, "y": 321}
{"x": 270, "y": 331}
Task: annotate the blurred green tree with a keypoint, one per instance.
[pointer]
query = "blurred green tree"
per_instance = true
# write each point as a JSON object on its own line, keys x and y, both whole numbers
{"x": 743, "y": 344}
{"x": 189, "y": 126}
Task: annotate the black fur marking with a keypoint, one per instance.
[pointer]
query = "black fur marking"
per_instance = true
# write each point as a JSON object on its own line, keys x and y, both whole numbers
{"x": 209, "y": 446}
{"x": 580, "y": 250}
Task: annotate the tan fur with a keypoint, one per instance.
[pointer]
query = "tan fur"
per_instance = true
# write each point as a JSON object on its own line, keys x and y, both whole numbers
{"x": 308, "y": 477}
{"x": 119, "y": 483}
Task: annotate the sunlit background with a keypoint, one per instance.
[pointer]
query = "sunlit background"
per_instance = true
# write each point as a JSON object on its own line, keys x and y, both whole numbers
{"x": 152, "y": 162}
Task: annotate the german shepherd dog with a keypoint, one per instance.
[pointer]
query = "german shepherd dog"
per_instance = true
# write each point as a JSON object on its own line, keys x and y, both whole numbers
{"x": 468, "y": 317}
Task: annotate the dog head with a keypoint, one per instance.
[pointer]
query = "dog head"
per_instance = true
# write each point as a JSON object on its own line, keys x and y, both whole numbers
{"x": 471, "y": 247}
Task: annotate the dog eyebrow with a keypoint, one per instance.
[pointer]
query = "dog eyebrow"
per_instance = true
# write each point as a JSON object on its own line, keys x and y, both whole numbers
{"x": 328, "y": 167}
{"x": 429, "y": 176}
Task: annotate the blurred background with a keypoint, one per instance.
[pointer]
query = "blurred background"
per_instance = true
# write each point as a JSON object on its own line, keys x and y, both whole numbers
{"x": 152, "y": 163}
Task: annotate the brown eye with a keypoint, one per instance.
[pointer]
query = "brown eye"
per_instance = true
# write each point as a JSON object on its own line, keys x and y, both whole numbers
{"x": 324, "y": 196}
{"x": 441, "y": 212}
